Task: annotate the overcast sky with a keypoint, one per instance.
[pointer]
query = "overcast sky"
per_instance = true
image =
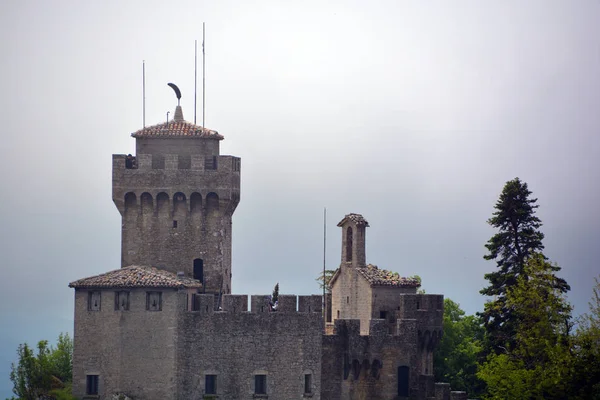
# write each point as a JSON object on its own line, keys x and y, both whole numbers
{"x": 411, "y": 113}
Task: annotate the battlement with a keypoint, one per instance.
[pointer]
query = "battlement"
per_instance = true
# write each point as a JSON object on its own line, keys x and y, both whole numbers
{"x": 212, "y": 182}
{"x": 193, "y": 162}
{"x": 259, "y": 304}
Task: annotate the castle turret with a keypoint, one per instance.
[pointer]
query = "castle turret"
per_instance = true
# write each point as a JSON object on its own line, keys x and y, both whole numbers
{"x": 176, "y": 198}
{"x": 353, "y": 240}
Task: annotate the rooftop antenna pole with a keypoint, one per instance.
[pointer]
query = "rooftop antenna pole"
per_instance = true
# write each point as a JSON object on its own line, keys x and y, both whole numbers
{"x": 144, "y": 92}
{"x": 203, "y": 79}
{"x": 195, "y": 76}
{"x": 324, "y": 254}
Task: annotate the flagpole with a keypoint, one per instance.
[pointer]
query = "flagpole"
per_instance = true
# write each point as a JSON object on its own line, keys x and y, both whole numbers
{"x": 324, "y": 254}
{"x": 195, "y": 76}
{"x": 203, "y": 79}
{"x": 144, "y": 93}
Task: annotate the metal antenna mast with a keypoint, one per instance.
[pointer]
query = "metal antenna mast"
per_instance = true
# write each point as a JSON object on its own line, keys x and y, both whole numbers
{"x": 324, "y": 254}
{"x": 203, "y": 79}
{"x": 195, "y": 76}
{"x": 144, "y": 92}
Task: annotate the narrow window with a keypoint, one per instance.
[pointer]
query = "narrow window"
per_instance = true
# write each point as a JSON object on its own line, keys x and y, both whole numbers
{"x": 210, "y": 385}
{"x": 338, "y": 314}
{"x": 121, "y": 301}
{"x": 91, "y": 385}
{"x": 382, "y": 314}
{"x": 94, "y": 300}
{"x": 260, "y": 384}
{"x": 347, "y": 299}
{"x": 349, "y": 244}
{"x": 403, "y": 381}
{"x": 199, "y": 270}
{"x": 174, "y": 224}
{"x": 307, "y": 383}
{"x": 154, "y": 301}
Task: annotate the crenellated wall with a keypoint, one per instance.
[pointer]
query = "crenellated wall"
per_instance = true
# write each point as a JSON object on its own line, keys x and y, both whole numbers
{"x": 236, "y": 344}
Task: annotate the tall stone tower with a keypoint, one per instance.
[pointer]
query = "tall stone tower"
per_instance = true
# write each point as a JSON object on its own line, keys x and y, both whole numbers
{"x": 176, "y": 198}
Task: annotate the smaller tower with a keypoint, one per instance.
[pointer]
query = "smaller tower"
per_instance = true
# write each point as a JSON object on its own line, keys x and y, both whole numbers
{"x": 353, "y": 240}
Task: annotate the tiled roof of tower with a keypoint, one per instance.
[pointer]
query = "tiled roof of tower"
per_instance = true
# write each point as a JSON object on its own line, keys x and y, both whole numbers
{"x": 382, "y": 277}
{"x": 355, "y": 218}
{"x": 177, "y": 129}
{"x": 136, "y": 277}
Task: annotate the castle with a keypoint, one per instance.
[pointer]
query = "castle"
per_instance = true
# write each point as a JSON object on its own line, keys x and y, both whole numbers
{"x": 166, "y": 326}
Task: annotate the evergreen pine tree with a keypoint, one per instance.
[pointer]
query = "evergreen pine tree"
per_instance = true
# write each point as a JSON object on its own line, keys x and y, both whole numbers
{"x": 517, "y": 240}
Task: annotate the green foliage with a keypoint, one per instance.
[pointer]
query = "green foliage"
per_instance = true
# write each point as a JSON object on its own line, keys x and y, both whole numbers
{"x": 418, "y": 278}
{"x": 46, "y": 374}
{"x": 455, "y": 358}
{"x": 537, "y": 364}
{"x": 275, "y": 295}
{"x": 325, "y": 279}
{"x": 517, "y": 241}
{"x": 586, "y": 350}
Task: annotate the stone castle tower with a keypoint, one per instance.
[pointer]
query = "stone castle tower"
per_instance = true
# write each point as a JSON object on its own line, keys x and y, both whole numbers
{"x": 176, "y": 200}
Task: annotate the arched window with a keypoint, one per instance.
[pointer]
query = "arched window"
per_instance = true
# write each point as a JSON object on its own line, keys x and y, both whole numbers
{"x": 349, "y": 244}
{"x": 147, "y": 203}
{"x": 179, "y": 206}
{"x": 212, "y": 202}
{"x": 403, "y": 372}
{"x": 162, "y": 203}
{"x": 195, "y": 203}
{"x": 130, "y": 201}
{"x": 199, "y": 270}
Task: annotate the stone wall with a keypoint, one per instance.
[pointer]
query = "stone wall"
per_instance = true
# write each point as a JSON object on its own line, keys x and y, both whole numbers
{"x": 358, "y": 367}
{"x": 133, "y": 351}
{"x": 236, "y": 344}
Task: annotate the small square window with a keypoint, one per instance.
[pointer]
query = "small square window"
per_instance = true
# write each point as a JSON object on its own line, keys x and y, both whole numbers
{"x": 260, "y": 384}
{"x": 210, "y": 385}
{"x": 94, "y": 301}
{"x": 122, "y": 301}
{"x": 91, "y": 384}
{"x": 382, "y": 314}
{"x": 154, "y": 301}
{"x": 307, "y": 383}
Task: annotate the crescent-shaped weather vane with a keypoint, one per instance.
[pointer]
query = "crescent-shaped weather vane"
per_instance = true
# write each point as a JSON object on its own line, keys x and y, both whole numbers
{"x": 177, "y": 91}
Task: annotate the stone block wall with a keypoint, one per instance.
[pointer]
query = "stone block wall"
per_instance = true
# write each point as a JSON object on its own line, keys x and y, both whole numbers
{"x": 235, "y": 345}
{"x": 132, "y": 351}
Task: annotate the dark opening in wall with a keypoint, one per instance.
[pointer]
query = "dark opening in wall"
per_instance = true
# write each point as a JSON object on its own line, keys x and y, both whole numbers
{"x": 122, "y": 301}
{"x": 174, "y": 224}
{"x": 94, "y": 301}
{"x": 199, "y": 270}
{"x": 210, "y": 162}
{"x": 403, "y": 374}
{"x": 91, "y": 386}
{"x": 260, "y": 384}
{"x": 210, "y": 384}
{"x": 154, "y": 301}
{"x": 195, "y": 203}
{"x": 349, "y": 244}
{"x": 307, "y": 383}
{"x": 382, "y": 314}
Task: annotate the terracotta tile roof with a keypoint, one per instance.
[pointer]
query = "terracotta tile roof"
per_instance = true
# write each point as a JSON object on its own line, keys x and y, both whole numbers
{"x": 177, "y": 129}
{"x": 382, "y": 277}
{"x": 136, "y": 277}
{"x": 355, "y": 218}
